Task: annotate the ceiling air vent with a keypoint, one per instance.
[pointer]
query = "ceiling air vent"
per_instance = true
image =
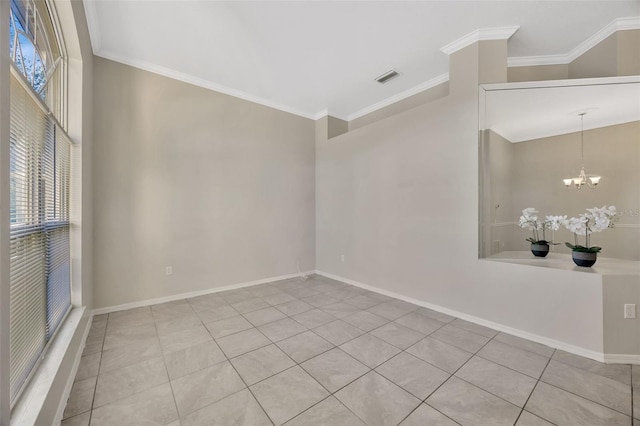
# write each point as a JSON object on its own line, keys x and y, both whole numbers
{"x": 387, "y": 76}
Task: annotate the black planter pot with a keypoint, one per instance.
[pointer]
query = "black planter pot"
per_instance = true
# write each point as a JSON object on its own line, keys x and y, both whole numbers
{"x": 540, "y": 250}
{"x": 583, "y": 258}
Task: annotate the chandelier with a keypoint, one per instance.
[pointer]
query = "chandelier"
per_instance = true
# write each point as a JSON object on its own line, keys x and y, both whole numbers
{"x": 582, "y": 179}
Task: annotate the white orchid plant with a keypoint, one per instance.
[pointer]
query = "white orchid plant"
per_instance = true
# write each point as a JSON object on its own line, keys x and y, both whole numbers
{"x": 595, "y": 220}
{"x": 529, "y": 220}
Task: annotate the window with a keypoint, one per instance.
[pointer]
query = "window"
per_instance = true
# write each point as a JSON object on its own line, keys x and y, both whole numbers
{"x": 40, "y": 171}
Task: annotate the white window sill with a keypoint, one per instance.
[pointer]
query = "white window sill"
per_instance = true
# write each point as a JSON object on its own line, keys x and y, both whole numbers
{"x": 32, "y": 400}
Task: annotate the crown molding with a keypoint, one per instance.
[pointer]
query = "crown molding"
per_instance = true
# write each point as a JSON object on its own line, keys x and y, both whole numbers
{"x": 442, "y": 78}
{"x": 497, "y": 33}
{"x": 618, "y": 24}
{"x": 200, "y": 82}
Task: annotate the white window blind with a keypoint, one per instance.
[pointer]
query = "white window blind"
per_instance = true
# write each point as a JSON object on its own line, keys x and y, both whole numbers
{"x": 40, "y": 155}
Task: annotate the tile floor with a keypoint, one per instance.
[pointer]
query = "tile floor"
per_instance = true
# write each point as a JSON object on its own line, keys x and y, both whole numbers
{"x": 320, "y": 352}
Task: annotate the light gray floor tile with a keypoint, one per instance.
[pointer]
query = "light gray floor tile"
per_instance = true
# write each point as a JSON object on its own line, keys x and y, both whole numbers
{"x": 363, "y": 301}
{"x": 126, "y": 355}
{"x": 228, "y": 326}
{"x": 425, "y": 415}
{"x": 413, "y": 374}
{"x": 287, "y": 394}
{"x": 205, "y": 387}
{"x": 528, "y": 419}
{"x": 334, "y": 369}
{"x": 468, "y": 404}
{"x": 564, "y": 408}
{"x": 80, "y": 398}
{"x": 527, "y": 345}
{"x": 338, "y": 332}
{"x": 398, "y": 335}
{"x": 501, "y": 381}
{"x": 183, "y": 339}
{"x": 442, "y": 355}
{"x": 92, "y": 348}
{"x": 96, "y": 337}
{"x": 302, "y": 292}
{"x": 376, "y": 400}
{"x": 619, "y": 372}
{"x": 460, "y": 338}
{"x": 236, "y": 296}
{"x": 474, "y": 328}
{"x": 391, "y": 310}
{"x": 305, "y": 345}
{"x": 243, "y": 342}
{"x": 153, "y": 406}
{"x": 250, "y": 305}
{"x": 207, "y": 302}
{"x": 320, "y": 300}
{"x": 126, "y": 381}
{"x": 438, "y": 316}
{"x": 340, "y": 310}
{"x": 89, "y": 366}
{"x": 128, "y": 336}
{"x": 257, "y": 365}
{"x": 79, "y": 420}
{"x": 98, "y": 326}
{"x": 130, "y": 318}
{"x": 594, "y": 387}
{"x": 264, "y": 316}
{"x": 193, "y": 358}
{"x": 171, "y": 310}
{"x": 178, "y": 323}
{"x": 294, "y": 307}
{"x": 517, "y": 359}
{"x": 370, "y": 350}
{"x": 635, "y": 375}
{"x": 216, "y": 314}
{"x": 238, "y": 409}
{"x": 314, "y": 318}
{"x": 365, "y": 320}
{"x": 420, "y": 323}
{"x": 329, "y": 412}
{"x": 636, "y": 403}
{"x": 282, "y": 329}
{"x": 278, "y": 298}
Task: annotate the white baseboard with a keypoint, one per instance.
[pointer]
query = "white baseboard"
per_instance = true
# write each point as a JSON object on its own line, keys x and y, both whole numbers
{"x": 557, "y": 344}
{"x": 74, "y": 370}
{"x": 148, "y": 302}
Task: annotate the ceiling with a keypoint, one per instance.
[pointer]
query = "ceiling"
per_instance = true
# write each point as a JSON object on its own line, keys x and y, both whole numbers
{"x": 525, "y": 114}
{"x": 316, "y": 57}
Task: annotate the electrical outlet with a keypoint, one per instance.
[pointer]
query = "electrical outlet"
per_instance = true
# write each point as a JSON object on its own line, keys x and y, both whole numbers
{"x": 342, "y": 257}
{"x": 630, "y": 311}
{"x": 168, "y": 270}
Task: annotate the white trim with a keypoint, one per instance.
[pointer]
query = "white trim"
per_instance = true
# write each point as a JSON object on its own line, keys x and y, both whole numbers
{"x": 561, "y": 83}
{"x": 321, "y": 114}
{"x": 587, "y": 353}
{"x": 497, "y": 33}
{"x": 200, "y": 82}
{"x": 72, "y": 375}
{"x": 148, "y": 302}
{"x": 30, "y": 403}
{"x": 618, "y": 24}
{"x": 621, "y": 359}
{"x": 442, "y": 78}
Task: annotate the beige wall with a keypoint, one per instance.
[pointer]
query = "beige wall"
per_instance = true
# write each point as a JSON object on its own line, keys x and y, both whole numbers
{"x": 399, "y": 198}
{"x": 219, "y": 188}
{"x": 538, "y": 73}
{"x": 540, "y": 165}
{"x": 429, "y": 95}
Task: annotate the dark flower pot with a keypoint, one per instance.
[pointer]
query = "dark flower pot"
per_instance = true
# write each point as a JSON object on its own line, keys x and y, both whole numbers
{"x": 583, "y": 258}
{"x": 540, "y": 250}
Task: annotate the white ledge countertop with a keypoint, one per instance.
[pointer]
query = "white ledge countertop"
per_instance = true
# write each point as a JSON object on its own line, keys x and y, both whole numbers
{"x": 604, "y": 265}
